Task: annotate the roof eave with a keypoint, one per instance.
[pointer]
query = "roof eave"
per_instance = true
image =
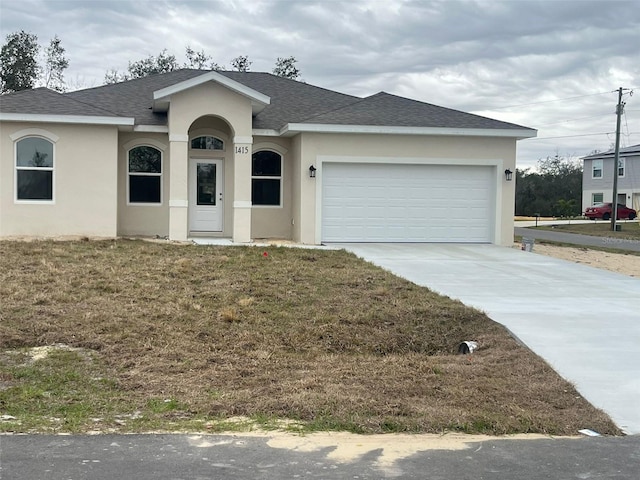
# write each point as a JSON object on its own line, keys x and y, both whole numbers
{"x": 608, "y": 155}
{"x": 74, "y": 119}
{"x": 291, "y": 129}
{"x": 162, "y": 97}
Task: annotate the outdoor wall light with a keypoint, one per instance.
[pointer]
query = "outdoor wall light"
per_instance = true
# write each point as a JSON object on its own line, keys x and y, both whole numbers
{"x": 508, "y": 174}
{"x": 312, "y": 171}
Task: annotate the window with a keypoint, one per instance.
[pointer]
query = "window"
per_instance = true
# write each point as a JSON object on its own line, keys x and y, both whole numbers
{"x": 266, "y": 178}
{"x": 207, "y": 142}
{"x": 597, "y": 198}
{"x": 596, "y": 169}
{"x": 145, "y": 175}
{"x": 34, "y": 169}
{"x": 621, "y": 167}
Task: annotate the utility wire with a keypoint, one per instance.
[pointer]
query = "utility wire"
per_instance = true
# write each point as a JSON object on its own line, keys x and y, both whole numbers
{"x": 547, "y": 101}
{"x": 571, "y": 136}
{"x": 573, "y": 120}
{"x": 583, "y": 135}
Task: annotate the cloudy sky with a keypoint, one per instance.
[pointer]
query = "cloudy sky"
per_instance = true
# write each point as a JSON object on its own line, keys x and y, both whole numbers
{"x": 551, "y": 65}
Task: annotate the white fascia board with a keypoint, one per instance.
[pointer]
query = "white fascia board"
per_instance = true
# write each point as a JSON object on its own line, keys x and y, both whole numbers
{"x": 265, "y": 132}
{"x": 293, "y": 128}
{"x": 83, "y": 119}
{"x": 258, "y": 100}
{"x": 151, "y": 128}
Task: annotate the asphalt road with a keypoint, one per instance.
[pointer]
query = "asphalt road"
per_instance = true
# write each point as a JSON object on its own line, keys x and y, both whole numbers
{"x": 177, "y": 457}
{"x": 574, "y": 238}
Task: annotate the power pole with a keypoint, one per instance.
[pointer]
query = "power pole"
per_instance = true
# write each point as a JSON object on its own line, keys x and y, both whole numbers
{"x": 616, "y": 160}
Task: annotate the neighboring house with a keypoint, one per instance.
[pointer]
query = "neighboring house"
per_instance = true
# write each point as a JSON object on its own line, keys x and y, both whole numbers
{"x": 247, "y": 155}
{"x": 597, "y": 178}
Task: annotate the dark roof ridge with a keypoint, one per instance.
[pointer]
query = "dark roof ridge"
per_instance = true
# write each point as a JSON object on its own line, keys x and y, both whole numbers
{"x": 334, "y": 92}
{"x": 137, "y": 79}
{"x": 383, "y": 93}
{"x": 92, "y": 106}
{"x": 62, "y": 98}
{"x": 9, "y": 94}
{"x": 356, "y": 101}
{"x": 631, "y": 149}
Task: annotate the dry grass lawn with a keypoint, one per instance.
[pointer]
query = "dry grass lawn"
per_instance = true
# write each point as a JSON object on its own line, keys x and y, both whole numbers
{"x": 183, "y": 337}
{"x": 630, "y": 231}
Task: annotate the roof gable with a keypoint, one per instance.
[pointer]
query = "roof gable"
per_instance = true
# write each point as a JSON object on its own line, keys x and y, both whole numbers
{"x": 162, "y": 97}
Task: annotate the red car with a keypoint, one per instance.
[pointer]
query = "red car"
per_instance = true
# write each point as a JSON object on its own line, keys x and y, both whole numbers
{"x": 603, "y": 211}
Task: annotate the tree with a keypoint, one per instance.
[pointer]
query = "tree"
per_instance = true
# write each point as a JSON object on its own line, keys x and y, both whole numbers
{"x": 554, "y": 190}
{"x": 19, "y": 68}
{"x": 559, "y": 166}
{"x": 199, "y": 60}
{"x": 54, "y": 66}
{"x": 163, "y": 63}
{"x": 114, "y": 76}
{"x": 286, "y": 67}
{"x": 241, "y": 64}
{"x": 566, "y": 208}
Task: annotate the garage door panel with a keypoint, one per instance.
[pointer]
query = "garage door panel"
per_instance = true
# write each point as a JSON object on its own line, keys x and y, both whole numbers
{"x": 407, "y": 203}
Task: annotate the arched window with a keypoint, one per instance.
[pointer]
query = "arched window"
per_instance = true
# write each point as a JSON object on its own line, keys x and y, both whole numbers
{"x": 266, "y": 178}
{"x": 145, "y": 175}
{"x": 207, "y": 142}
{"x": 34, "y": 169}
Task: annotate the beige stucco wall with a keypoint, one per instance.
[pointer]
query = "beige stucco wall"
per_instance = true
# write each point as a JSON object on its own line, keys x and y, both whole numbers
{"x": 142, "y": 220}
{"x": 318, "y": 148}
{"x": 275, "y": 222}
{"x": 185, "y": 108}
{"x": 85, "y": 184}
{"x": 90, "y": 181}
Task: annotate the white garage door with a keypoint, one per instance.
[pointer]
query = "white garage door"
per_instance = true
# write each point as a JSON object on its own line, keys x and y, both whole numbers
{"x": 407, "y": 203}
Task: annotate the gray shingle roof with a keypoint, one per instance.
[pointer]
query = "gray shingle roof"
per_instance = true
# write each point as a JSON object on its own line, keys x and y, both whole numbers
{"x": 291, "y": 102}
{"x": 384, "y": 109}
{"x": 134, "y": 98}
{"x": 47, "y": 102}
{"x": 625, "y": 152}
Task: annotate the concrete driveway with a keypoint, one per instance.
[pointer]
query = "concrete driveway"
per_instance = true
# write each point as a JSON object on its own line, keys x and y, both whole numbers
{"x": 583, "y": 321}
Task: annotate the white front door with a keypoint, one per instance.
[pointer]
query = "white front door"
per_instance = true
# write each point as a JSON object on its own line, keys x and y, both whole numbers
{"x": 205, "y": 195}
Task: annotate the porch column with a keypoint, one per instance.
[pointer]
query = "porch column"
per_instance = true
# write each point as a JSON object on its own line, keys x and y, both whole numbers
{"x": 242, "y": 189}
{"x": 178, "y": 187}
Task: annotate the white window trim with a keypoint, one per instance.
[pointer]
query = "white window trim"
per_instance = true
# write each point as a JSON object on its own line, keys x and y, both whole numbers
{"x": 593, "y": 169}
{"x": 270, "y": 148}
{"x": 593, "y": 201}
{"x": 144, "y": 174}
{"x": 207, "y": 132}
{"x": 34, "y": 133}
{"x": 223, "y": 149}
{"x": 621, "y": 165}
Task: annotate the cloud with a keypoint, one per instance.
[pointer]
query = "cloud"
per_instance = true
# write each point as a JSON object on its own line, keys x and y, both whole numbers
{"x": 478, "y": 56}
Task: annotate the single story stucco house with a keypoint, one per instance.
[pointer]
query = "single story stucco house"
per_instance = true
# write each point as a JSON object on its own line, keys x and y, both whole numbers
{"x": 597, "y": 177}
{"x": 247, "y": 155}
